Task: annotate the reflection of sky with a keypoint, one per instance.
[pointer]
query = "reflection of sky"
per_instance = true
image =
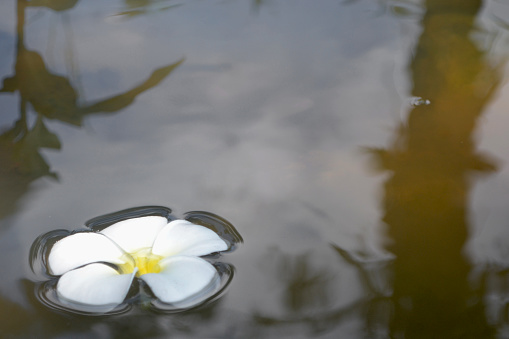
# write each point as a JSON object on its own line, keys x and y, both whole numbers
{"x": 491, "y": 195}
{"x": 259, "y": 112}
{"x": 262, "y": 123}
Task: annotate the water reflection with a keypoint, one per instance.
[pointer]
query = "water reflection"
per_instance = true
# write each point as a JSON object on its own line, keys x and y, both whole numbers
{"x": 432, "y": 161}
{"x": 416, "y": 159}
{"x": 307, "y": 288}
{"x": 425, "y": 291}
{"x": 56, "y": 5}
{"x": 40, "y": 321}
{"x": 48, "y": 96}
{"x": 134, "y": 8}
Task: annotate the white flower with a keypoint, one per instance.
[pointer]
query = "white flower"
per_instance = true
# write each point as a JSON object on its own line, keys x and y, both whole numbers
{"x": 97, "y": 268}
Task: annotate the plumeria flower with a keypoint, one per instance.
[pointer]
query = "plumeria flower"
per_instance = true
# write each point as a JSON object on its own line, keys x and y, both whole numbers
{"x": 98, "y": 268}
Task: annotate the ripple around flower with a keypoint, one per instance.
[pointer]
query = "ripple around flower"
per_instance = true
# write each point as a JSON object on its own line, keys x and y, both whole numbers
{"x": 141, "y": 263}
{"x": 219, "y": 225}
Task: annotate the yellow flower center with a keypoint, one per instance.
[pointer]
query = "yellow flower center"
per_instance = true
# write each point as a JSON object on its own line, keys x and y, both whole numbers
{"x": 144, "y": 260}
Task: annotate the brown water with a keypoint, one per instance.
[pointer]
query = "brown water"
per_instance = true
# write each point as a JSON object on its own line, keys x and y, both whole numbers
{"x": 359, "y": 147}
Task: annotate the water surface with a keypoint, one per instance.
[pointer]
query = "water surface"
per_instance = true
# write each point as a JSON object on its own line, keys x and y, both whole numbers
{"x": 358, "y": 147}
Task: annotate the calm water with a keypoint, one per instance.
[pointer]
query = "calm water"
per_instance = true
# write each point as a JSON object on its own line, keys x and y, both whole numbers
{"x": 359, "y": 147}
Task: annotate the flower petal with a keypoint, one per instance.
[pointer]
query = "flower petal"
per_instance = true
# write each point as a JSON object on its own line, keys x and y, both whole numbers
{"x": 185, "y": 238}
{"x": 181, "y": 277}
{"x": 95, "y": 284}
{"x": 82, "y": 248}
{"x": 136, "y": 233}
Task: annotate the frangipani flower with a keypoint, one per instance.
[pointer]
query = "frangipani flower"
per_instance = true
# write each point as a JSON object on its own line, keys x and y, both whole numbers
{"x": 98, "y": 268}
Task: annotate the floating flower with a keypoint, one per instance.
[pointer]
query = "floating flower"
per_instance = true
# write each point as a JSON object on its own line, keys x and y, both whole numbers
{"x": 96, "y": 268}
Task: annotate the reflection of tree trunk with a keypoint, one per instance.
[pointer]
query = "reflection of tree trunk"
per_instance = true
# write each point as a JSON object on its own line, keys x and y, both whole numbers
{"x": 20, "y": 25}
{"x": 426, "y": 198}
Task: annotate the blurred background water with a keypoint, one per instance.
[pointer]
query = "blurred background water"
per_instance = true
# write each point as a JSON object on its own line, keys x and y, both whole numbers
{"x": 359, "y": 147}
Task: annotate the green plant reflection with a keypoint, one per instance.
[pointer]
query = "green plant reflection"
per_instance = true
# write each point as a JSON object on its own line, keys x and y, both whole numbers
{"x": 49, "y": 96}
{"x": 134, "y": 8}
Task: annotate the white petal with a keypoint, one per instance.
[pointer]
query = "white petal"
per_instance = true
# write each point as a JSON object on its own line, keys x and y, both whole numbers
{"x": 82, "y": 248}
{"x": 95, "y": 284}
{"x": 181, "y": 277}
{"x": 181, "y": 237}
{"x": 137, "y": 233}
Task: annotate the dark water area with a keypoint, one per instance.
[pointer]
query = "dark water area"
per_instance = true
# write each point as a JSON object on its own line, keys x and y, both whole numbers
{"x": 358, "y": 147}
